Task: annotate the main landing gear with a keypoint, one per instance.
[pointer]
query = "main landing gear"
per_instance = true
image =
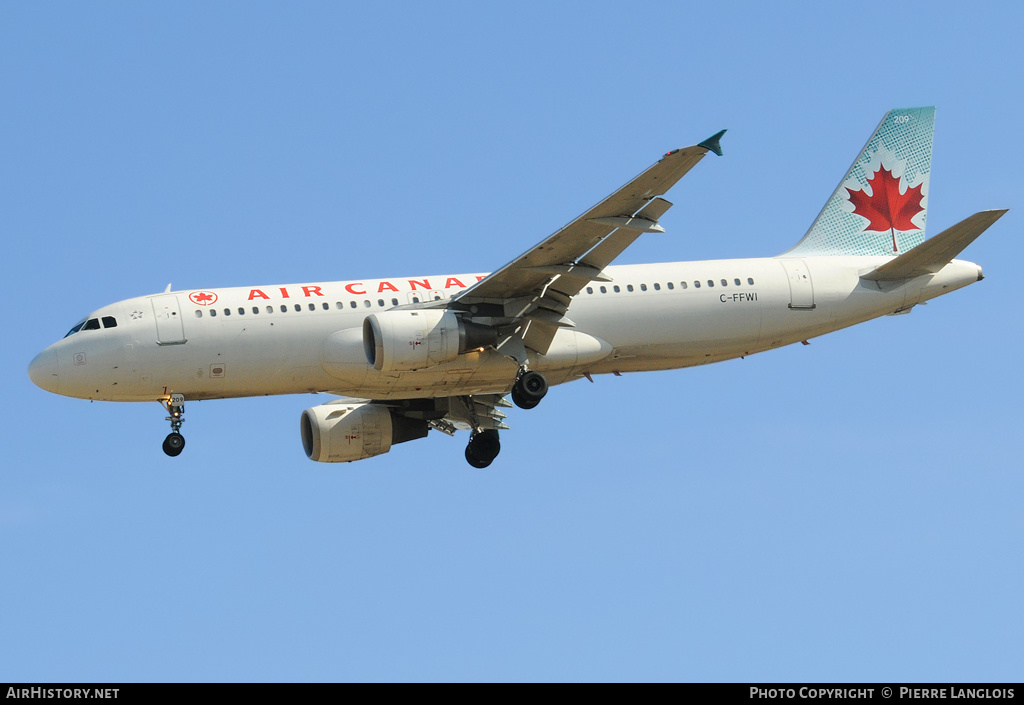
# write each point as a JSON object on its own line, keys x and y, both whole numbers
{"x": 483, "y": 448}
{"x": 175, "y": 442}
{"x": 529, "y": 389}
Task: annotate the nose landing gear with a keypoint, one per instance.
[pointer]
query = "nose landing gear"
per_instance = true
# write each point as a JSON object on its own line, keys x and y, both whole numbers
{"x": 175, "y": 442}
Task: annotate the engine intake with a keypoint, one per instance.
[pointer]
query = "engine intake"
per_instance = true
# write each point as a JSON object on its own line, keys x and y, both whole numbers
{"x": 413, "y": 340}
{"x": 341, "y": 432}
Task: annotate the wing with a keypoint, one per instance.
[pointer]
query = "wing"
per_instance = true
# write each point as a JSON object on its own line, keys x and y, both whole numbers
{"x": 475, "y": 412}
{"x": 472, "y": 413}
{"x": 535, "y": 289}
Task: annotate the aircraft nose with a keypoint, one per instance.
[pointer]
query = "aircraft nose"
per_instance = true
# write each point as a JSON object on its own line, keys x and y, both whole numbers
{"x": 44, "y": 371}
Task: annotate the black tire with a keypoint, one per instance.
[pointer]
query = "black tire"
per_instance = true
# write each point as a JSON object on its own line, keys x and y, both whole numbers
{"x": 518, "y": 400}
{"x": 486, "y": 444}
{"x": 529, "y": 389}
{"x": 533, "y": 385}
{"x": 475, "y": 461}
{"x": 174, "y": 444}
{"x": 483, "y": 448}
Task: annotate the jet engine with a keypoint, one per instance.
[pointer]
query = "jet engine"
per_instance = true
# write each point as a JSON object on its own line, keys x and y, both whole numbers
{"x": 412, "y": 340}
{"x": 348, "y": 430}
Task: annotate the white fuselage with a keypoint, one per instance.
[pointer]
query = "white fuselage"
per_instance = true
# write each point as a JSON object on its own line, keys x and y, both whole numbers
{"x": 256, "y": 341}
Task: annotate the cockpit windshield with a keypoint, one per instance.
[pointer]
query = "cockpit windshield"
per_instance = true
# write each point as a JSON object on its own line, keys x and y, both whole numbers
{"x": 93, "y": 324}
{"x": 77, "y": 327}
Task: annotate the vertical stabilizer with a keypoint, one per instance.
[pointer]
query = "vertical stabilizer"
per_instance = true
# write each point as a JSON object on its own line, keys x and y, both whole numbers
{"x": 880, "y": 207}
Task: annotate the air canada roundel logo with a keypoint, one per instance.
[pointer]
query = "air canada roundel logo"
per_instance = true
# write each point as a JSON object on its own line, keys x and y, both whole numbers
{"x": 203, "y": 298}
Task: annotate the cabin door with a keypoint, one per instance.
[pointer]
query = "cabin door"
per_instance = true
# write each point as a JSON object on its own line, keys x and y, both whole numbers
{"x": 169, "y": 328}
{"x": 801, "y": 290}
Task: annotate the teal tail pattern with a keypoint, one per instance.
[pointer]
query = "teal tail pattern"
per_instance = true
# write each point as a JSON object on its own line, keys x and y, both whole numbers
{"x": 880, "y": 207}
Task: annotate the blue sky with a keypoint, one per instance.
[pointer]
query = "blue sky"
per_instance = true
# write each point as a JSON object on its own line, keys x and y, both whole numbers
{"x": 844, "y": 511}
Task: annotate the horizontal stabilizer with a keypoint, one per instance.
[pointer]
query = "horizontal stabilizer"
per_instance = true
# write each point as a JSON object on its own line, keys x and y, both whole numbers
{"x": 934, "y": 254}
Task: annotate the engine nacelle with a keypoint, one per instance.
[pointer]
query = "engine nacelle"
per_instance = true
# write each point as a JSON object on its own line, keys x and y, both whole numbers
{"x": 412, "y": 340}
{"x": 342, "y": 431}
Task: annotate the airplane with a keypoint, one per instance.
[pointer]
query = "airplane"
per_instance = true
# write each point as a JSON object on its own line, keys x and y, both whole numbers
{"x": 407, "y": 355}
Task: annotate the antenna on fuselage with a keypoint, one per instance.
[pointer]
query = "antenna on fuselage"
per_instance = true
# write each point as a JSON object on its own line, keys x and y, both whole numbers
{"x": 168, "y": 289}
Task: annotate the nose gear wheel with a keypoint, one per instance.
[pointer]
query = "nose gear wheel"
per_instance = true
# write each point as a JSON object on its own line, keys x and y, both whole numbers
{"x": 175, "y": 442}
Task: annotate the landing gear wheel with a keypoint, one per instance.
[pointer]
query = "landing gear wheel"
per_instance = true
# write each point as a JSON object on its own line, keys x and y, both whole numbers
{"x": 519, "y": 401}
{"x": 174, "y": 444}
{"x": 529, "y": 389}
{"x": 475, "y": 461}
{"x": 483, "y": 448}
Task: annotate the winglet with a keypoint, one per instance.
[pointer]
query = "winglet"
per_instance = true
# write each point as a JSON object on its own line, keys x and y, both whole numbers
{"x": 712, "y": 143}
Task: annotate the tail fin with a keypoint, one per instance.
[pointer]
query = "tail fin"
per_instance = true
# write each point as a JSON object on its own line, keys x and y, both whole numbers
{"x": 880, "y": 206}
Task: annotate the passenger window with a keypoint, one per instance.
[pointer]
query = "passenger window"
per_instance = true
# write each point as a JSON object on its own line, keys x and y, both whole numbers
{"x": 109, "y": 322}
{"x": 643, "y": 287}
{"x": 657, "y": 286}
{"x": 736, "y": 281}
{"x": 298, "y": 307}
{"x": 725, "y": 282}
{"x": 380, "y": 302}
{"x": 750, "y": 281}
{"x": 270, "y": 309}
{"x": 241, "y": 311}
{"x": 590, "y": 290}
{"x": 284, "y": 308}
{"x": 671, "y": 286}
{"x": 629, "y": 287}
{"x": 92, "y": 324}
{"x": 696, "y": 284}
{"x": 339, "y": 305}
{"x": 604, "y": 290}
{"x": 312, "y": 307}
{"x": 682, "y": 285}
{"x": 352, "y": 304}
{"x": 227, "y": 312}
{"x": 711, "y": 282}
{"x": 366, "y": 303}
{"x": 616, "y": 288}
{"x": 213, "y": 313}
{"x": 199, "y": 313}
{"x": 327, "y": 306}
{"x": 415, "y": 300}
{"x": 394, "y": 302}
{"x": 255, "y": 309}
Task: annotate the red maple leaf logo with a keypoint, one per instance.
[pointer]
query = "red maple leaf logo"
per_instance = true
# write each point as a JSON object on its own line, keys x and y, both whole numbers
{"x": 203, "y": 298}
{"x": 886, "y": 208}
